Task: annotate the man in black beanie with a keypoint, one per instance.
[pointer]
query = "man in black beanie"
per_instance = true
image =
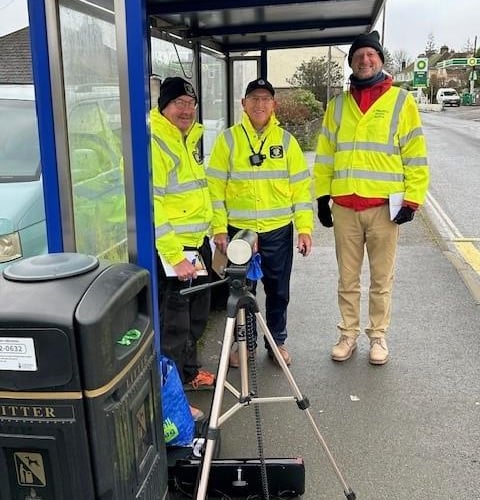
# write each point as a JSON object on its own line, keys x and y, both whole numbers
{"x": 182, "y": 213}
{"x": 371, "y": 149}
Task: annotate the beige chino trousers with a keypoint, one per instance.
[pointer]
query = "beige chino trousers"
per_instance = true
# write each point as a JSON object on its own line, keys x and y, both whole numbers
{"x": 354, "y": 231}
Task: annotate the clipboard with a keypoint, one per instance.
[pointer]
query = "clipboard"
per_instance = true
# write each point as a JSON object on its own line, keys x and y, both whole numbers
{"x": 192, "y": 256}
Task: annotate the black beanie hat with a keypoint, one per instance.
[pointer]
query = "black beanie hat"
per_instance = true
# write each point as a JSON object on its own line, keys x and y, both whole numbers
{"x": 173, "y": 87}
{"x": 369, "y": 40}
{"x": 260, "y": 83}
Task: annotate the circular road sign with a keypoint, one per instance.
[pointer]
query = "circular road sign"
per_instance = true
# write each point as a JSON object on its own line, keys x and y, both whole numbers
{"x": 471, "y": 61}
{"x": 421, "y": 64}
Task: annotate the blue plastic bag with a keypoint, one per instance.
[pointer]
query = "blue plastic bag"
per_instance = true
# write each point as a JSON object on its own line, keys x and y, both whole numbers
{"x": 178, "y": 424}
{"x": 254, "y": 271}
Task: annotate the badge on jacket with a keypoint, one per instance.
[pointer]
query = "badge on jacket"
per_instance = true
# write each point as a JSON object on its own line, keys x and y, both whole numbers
{"x": 276, "y": 151}
{"x": 197, "y": 155}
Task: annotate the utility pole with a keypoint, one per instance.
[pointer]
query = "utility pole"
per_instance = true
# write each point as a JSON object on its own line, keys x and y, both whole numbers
{"x": 473, "y": 71}
{"x": 383, "y": 22}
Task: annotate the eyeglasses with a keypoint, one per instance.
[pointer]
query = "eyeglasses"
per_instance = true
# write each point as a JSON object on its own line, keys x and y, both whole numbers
{"x": 262, "y": 99}
{"x": 182, "y": 104}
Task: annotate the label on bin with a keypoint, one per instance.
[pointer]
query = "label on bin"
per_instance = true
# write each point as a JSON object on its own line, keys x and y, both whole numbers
{"x": 17, "y": 354}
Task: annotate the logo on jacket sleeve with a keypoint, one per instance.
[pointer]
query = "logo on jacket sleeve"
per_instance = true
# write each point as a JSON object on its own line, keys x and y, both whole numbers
{"x": 276, "y": 151}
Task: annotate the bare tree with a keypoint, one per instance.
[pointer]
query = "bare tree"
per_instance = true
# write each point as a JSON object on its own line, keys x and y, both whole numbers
{"x": 430, "y": 47}
{"x": 389, "y": 64}
{"x": 401, "y": 59}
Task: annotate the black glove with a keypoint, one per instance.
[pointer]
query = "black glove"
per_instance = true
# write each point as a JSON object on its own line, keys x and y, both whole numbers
{"x": 324, "y": 213}
{"x": 405, "y": 214}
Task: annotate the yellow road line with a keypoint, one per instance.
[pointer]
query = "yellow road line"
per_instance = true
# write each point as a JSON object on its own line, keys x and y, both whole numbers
{"x": 470, "y": 254}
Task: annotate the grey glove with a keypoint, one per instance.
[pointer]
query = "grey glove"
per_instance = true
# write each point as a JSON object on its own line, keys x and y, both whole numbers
{"x": 324, "y": 213}
{"x": 405, "y": 214}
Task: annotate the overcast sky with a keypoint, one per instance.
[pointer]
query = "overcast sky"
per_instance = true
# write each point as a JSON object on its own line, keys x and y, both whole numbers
{"x": 407, "y": 22}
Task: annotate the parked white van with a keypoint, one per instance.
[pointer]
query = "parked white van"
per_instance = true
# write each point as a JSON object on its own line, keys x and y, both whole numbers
{"x": 448, "y": 96}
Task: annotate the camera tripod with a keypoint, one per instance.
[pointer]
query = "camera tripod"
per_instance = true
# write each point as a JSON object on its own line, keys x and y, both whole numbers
{"x": 239, "y": 300}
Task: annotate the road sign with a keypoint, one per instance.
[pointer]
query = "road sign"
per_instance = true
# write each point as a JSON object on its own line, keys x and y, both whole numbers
{"x": 473, "y": 75}
{"x": 421, "y": 64}
{"x": 420, "y": 78}
{"x": 472, "y": 61}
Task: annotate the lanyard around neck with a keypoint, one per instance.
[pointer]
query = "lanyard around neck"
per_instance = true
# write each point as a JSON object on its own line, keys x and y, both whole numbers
{"x": 250, "y": 144}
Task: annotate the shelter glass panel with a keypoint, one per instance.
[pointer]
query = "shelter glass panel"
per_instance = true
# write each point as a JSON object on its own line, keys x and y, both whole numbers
{"x": 94, "y": 130}
{"x": 214, "y": 98}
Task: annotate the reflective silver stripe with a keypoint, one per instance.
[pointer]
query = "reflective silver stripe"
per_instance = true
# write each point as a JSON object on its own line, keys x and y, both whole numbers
{"x": 158, "y": 191}
{"x": 419, "y": 161}
{"x": 186, "y": 186}
{"x": 416, "y": 132}
{"x": 324, "y": 159}
{"x": 163, "y": 230}
{"x": 301, "y": 176}
{"x": 368, "y": 146}
{"x": 218, "y": 204}
{"x": 163, "y": 146}
{"x": 302, "y": 206}
{"x": 402, "y": 95}
{"x": 191, "y": 228}
{"x": 368, "y": 174}
{"x": 286, "y": 140}
{"x": 259, "y": 214}
{"x": 218, "y": 174}
{"x": 229, "y": 140}
{"x": 259, "y": 175}
{"x": 337, "y": 115}
{"x": 329, "y": 135}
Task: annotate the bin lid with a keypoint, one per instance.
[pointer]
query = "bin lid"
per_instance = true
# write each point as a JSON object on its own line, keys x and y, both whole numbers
{"x": 50, "y": 266}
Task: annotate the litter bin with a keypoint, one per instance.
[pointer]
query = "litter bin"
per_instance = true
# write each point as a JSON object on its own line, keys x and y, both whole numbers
{"x": 80, "y": 415}
{"x": 467, "y": 99}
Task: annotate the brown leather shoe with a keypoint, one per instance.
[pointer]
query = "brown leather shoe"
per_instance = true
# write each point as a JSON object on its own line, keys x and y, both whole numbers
{"x": 378, "y": 351}
{"x": 283, "y": 352}
{"x": 344, "y": 348}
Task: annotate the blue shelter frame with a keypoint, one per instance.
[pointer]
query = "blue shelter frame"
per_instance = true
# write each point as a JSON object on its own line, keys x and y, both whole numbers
{"x": 217, "y": 25}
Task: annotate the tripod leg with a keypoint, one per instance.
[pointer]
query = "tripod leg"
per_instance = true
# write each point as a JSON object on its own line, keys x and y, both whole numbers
{"x": 213, "y": 428}
{"x": 302, "y": 403}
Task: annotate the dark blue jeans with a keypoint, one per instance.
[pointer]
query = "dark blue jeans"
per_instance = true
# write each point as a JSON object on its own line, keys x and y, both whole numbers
{"x": 276, "y": 251}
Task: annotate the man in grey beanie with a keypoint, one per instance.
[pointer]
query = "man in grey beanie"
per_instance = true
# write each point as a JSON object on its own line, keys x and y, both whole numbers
{"x": 371, "y": 147}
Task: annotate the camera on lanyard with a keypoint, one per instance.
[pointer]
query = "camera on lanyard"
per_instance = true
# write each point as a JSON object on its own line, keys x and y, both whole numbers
{"x": 257, "y": 159}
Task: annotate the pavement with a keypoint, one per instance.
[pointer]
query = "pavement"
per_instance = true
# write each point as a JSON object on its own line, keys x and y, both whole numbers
{"x": 408, "y": 430}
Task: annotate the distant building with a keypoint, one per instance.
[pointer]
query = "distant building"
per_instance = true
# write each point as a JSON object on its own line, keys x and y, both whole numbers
{"x": 16, "y": 58}
{"x": 445, "y": 69}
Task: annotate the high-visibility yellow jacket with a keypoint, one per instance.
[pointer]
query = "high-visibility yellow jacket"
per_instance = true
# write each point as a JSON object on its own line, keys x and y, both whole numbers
{"x": 182, "y": 205}
{"x": 374, "y": 154}
{"x": 265, "y": 197}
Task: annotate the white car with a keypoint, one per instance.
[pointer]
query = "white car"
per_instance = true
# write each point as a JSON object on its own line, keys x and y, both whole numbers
{"x": 448, "y": 96}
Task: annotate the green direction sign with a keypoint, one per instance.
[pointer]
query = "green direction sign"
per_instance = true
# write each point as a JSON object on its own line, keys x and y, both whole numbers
{"x": 420, "y": 78}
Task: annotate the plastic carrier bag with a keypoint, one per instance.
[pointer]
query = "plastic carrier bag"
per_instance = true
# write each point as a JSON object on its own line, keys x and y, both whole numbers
{"x": 178, "y": 424}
